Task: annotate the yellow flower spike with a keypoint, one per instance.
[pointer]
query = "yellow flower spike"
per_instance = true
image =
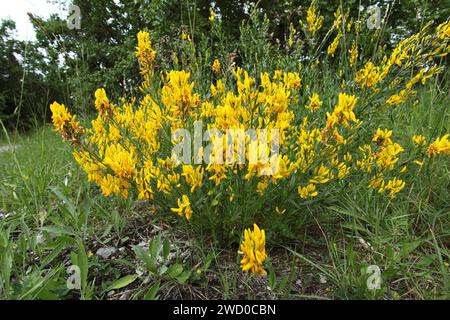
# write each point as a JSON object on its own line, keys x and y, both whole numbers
{"x": 253, "y": 249}
{"x": 376, "y": 182}
{"x": 122, "y": 162}
{"x": 194, "y": 177}
{"x": 353, "y": 54}
{"x": 212, "y": 15}
{"x": 387, "y": 157}
{"x": 419, "y": 140}
{"x": 443, "y": 31}
{"x": 308, "y": 192}
{"x": 315, "y": 21}
{"x": 369, "y": 76}
{"x": 343, "y": 111}
{"x": 439, "y": 146}
{"x": 102, "y": 103}
{"x": 65, "y": 124}
{"x": 184, "y": 207}
{"x": 400, "y": 98}
{"x": 216, "y": 66}
{"x": 185, "y": 37}
{"x": 146, "y": 56}
{"x": 314, "y": 103}
{"x": 343, "y": 170}
{"x": 334, "y": 45}
{"x": 393, "y": 186}
{"x": 382, "y": 138}
{"x": 178, "y": 96}
{"x": 292, "y": 33}
{"x": 262, "y": 186}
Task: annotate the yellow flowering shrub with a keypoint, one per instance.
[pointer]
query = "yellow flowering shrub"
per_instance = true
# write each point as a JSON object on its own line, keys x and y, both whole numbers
{"x": 253, "y": 249}
{"x": 322, "y": 144}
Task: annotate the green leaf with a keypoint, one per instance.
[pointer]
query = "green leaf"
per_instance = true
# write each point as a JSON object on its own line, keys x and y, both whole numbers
{"x": 123, "y": 282}
{"x": 183, "y": 277}
{"x": 155, "y": 246}
{"x": 54, "y": 253}
{"x": 407, "y": 248}
{"x": 283, "y": 283}
{"x": 166, "y": 249}
{"x": 175, "y": 270}
{"x": 152, "y": 292}
{"x": 6, "y": 264}
{"x": 83, "y": 265}
{"x": 150, "y": 262}
{"x": 57, "y": 231}
{"x": 162, "y": 270}
{"x": 208, "y": 260}
{"x": 272, "y": 280}
{"x": 68, "y": 204}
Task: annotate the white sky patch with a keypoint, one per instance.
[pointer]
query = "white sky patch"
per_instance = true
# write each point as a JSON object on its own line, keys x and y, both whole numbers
{"x": 17, "y": 11}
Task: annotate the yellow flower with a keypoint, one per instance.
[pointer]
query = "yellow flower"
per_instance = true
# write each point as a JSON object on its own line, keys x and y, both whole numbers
{"x": 314, "y": 20}
{"x": 322, "y": 175}
{"x": 184, "y": 207}
{"x": 419, "y": 140}
{"x": 353, "y": 54}
{"x": 280, "y": 167}
{"x": 333, "y": 46}
{"x": 443, "y": 31}
{"x": 376, "y": 182}
{"x": 186, "y": 37}
{"x": 348, "y": 157}
{"x": 308, "y": 192}
{"x": 146, "y": 56}
{"x": 401, "y": 97}
{"x": 218, "y": 88}
{"x": 60, "y": 116}
{"x": 439, "y": 146}
{"x": 194, "y": 177}
{"x": 393, "y": 187}
{"x": 253, "y": 247}
{"x": 114, "y": 185}
{"x": 122, "y": 162}
{"x": 382, "y": 138}
{"x": 212, "y": 15}
{"x": 314, "y": 103}
{"x": 343, "y": 170}
{"x": 292, "y": 32}
{"x": 65, "y": 124}
{"x": 387, "y": 156}
{"x": 339, "y": 18}
{"x": 292, "y": 80}
{"x": 369, "y": 76}
{"x": 102, "y": 102}
{"x": 343, "y": 112}
{"x": 216, "y": 66}
{"x": 177, "y": 95}
{"x": 262, "y": 186}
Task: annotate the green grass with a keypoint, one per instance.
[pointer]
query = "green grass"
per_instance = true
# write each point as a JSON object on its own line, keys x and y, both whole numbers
{"x": 53, "y": 218}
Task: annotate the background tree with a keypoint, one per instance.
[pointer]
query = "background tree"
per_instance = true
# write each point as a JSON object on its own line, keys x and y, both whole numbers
{"x": 71, "y": 64}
